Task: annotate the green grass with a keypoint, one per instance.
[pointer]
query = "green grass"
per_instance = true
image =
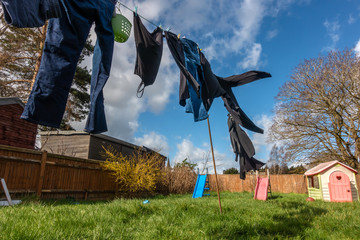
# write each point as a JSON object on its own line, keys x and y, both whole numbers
{"x": 285, "y": 216}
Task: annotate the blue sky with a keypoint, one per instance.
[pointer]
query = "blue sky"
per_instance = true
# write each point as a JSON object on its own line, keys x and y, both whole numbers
{"x": 236, "y": 36}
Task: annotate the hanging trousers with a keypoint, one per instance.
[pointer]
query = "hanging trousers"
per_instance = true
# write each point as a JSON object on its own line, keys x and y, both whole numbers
{"x": 29, "y": 14}
{"x": 64, "y": 42}
{"x": 192, "y": 62}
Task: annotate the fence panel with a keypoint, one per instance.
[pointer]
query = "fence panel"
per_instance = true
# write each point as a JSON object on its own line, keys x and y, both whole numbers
{"x": 64, "y": 176}
{"x": 59, "y": 177}
{"x": 279, "y": 183}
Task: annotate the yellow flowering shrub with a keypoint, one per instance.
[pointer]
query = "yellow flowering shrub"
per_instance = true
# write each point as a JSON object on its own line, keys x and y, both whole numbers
{"x": 140, "y": 172}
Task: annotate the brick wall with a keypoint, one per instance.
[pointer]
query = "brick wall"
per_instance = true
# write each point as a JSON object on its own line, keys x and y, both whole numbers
{"x": 15, "y": 131}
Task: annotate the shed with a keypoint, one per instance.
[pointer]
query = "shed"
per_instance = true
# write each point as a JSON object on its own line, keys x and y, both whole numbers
{"x": 14, "y": 131}
{"x": 85, "y": 145}
{"x": 332, "y": 181}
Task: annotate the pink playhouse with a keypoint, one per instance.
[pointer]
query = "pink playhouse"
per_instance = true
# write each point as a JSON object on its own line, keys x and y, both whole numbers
{"x": 332, "y": 181}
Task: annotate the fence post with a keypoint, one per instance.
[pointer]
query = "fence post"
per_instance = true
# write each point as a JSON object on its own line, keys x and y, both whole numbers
{"x": 7, "y": 171}
{"x": 42, "y": 172}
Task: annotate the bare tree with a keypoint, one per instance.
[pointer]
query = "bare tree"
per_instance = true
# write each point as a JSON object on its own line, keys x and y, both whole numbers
{"x": 318, "y": 110}
{"x": 278, "y": 159}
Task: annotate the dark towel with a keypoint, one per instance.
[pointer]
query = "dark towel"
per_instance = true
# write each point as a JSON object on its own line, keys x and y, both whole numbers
{"x": 230, "y": 101}
{"x": 149, "y": 48}
{"x": 243, "y": 148}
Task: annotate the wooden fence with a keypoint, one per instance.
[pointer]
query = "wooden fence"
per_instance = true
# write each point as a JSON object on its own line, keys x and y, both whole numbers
{"x": 292, "y": 183}
{"x": 284, "y": 183}
{"x": 52, "y": 176}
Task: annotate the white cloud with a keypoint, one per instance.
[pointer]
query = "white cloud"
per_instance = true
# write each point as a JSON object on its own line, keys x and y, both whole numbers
{"x": 253, "y": 57}
{"x": 202, "y": 157}
{"x": 271, "y": 34}
{"x": 262, "y": 146}
{"x": 351, "y": 19}
{"x": 154, "y": 141}
{"x": 239, "y": 27}
{"x": 332, "y": 29}
{"x": 357, "y": 48}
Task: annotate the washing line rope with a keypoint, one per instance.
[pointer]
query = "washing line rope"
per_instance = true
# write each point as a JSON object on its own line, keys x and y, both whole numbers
{"x": 139, "y": 15}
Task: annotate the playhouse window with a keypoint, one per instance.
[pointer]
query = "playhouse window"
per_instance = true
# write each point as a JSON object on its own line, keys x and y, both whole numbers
{"x": 313, "y": 182}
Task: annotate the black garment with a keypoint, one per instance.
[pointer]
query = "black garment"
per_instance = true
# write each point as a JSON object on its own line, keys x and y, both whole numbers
{"x": 211, "y": 87}
{"x": 239, "y": 115}
{"x": 149, "y": 48}
{"x": 177, "y": 52}
{"x": 243, "y": 148}
{"x": 239, "y": 138}
{"x": 230, "y": 101}
{"x": 248, "y": 164}
{"x": 239, "y": 80}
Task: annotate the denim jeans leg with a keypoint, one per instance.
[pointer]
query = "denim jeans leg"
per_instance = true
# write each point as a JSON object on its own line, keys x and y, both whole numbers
{"x": 96, "y": 122}
{"x": 63, "y": 45}
{"x": 192, "y": 62}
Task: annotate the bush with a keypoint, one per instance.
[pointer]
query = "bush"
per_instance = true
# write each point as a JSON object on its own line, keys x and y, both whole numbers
{"x": 179, "y": 180}
{"x": 231, "y": 171}
{"x": 138, "y": 173}
{"x": 143, "y": 173}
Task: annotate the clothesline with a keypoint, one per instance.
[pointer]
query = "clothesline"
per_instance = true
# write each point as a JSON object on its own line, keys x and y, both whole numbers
{"x": 141, "y": 16}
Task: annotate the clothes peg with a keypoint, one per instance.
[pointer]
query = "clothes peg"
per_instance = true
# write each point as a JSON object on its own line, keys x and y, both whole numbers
{"x": 178, "y": 36}
{"x": 168, "y": 29}
{"x": 136, "y": 10}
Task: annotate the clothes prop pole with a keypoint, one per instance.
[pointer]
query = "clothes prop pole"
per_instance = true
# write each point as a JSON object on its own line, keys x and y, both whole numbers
{"x": 213, "y": 157}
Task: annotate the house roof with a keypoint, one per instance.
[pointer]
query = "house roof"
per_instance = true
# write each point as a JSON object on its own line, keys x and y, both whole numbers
{"x": 325, "y": 166}
{"x": 101, "y": 136}
{"x": 11, "y": 100}
{"x": 72, "y": 133}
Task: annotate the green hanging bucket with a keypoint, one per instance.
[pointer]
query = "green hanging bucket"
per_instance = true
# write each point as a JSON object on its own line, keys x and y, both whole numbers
{"x": 121, "y": 27}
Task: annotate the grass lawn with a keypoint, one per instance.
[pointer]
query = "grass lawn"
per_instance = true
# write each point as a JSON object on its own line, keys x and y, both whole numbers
{"x": 285, "y": 216}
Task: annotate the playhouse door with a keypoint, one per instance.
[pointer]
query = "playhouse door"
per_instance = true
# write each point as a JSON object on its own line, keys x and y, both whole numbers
{"x": 339, "y": 187}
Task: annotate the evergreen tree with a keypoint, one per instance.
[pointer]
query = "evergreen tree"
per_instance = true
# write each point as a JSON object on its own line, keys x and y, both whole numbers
{"x": 20, "y": 56}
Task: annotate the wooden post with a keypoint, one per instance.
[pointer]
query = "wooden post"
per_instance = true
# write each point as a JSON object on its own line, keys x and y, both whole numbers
{"x": 86, "y": 195}
{"x": 213, "y": 157}
{"x": 7, "y": 171}
{"x": 42, "y": 172}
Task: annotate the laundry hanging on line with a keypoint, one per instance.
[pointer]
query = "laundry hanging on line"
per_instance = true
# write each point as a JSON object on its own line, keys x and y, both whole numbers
{"x": 198, "y": 85}
{"x": 243, "y": 148}
{"x": 149, "y": 49}
{"x": 23, "y": 14}
{"x": 194, "y": 103}
{"x": 211, "y": 86}
{"x": 176, "y": 50}
{"x": 65, "y": 39}
{"x": 230, "y": 102}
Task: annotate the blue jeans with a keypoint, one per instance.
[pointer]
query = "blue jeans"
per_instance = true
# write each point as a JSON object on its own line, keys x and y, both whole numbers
{"x": 194, "y": 104}
{"x": 64, "y": 42}
{"x": 29, "y": 14}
